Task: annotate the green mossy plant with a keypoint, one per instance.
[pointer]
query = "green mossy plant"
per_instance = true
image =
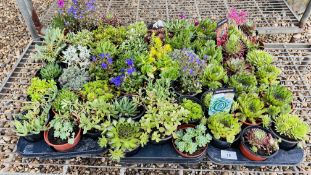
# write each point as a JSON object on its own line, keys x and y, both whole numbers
{"x": 259, "y": 58}
{"x": 268, "y": 74}
{"x": 97, "y": 89}
{"x": 51, "y": 71}
{"x": 243, "y": 82}
{"x": 40, "y": 89}
{"x": 195, "y": 111}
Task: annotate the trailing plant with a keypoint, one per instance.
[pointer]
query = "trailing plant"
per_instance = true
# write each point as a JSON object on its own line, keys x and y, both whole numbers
{"x": 73, "y": 78}
{"x": 261, "y": 142}
{"x": 53, "y": 44}
{"x": 195, "y": 111}
{"x": 97, "y": 89}
{"x": 63, "y": 95}
{"x": 105, "y": 46}
{"x": 268, "y": 74}
{"x": 122, "y": 136}
{"x": 41, "y": 89}
{"x": 126, "y": 107}
{"x": 259, "y": 58}
{"x": 291, "y": 126}
{"x": 102, "y": 67}
{"x": 162, "y": 118}
{"x": 214, "y": 76}
{"x": 82, "y": 38}
{"x": 224, "y": 126}
{"x": 77, "y": 56}
{"x": 50, "y": 71}
{"x": 190, "y": 140}
{"x": 233, "y": 47}
{"x": 243, "y": 82}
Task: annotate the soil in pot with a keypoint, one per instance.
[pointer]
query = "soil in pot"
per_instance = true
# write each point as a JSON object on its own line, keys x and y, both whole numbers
{"x": 286, "y": 142}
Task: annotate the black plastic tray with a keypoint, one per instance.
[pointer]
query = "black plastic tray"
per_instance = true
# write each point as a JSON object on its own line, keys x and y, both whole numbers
{"x": 164, "y": 153}
{"x": 86, "y": 146}
{"x": 283, "y": 158}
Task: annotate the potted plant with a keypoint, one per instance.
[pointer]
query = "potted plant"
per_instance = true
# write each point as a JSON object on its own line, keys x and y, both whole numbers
{"x": 41, "y": 89}
{"x": 97, "y": 89}
{"x": 73, "y": 78}
{"x": 251, "y": 110}
{"x": 234, "y": 47}
{"x": 225, "y": 129}
{"x": 207, "y": 50}
{"x": 102, "y": 66}
{"x": 258, "y": 144}
{"x": 193, "y": 105}
{"x": 63, "y": 96}
{"x": 259, "y": 58}
{"x": 78, "y": 56}
{"x": 51, "y": 71}
{"x": 83, "y": 38}
{"x": 290, "y": 129}
{"x": 244, "y": 82}
{"x": 268, "y": 74}
{"x": 128, "y": 107}
{"x": 191, "y": 141}
{"x": 64, "y": 132}
{"x": 125, "y": 137}
{"x": 214, "y": 76}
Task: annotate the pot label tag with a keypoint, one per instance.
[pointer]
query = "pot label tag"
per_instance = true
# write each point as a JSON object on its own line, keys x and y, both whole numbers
{"x": 221, "y": 101}
{"x": 222, "y": 32}
{"x": 224, "y": 154}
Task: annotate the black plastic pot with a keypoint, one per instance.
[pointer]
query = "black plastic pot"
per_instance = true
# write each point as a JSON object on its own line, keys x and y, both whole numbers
{"x": 133, "y": 152}
{"x": 162, "y": 141}
{"x": 141, "y": 108}
{"x": 94, "y": 134}
{"x": 286, "y": 143}
{"x": 194, "y": 99}
{"x": 224, "y": 144}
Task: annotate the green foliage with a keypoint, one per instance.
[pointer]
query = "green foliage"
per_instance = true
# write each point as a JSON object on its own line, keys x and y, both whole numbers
{"x": 261, "y": 142}
{"x": 40, "y": 89}
{"x": 259, "y": 58}
{"x": 208, "y": 50}
{"x": 132, "y": 83}
{"x": 73, "y": 78}
{"x": 214, "y": 76}
{"x": 97, "y": 89}
{"x": 190, "y": 140}
{"x": 50, "y": 71}
{"x": 206, "y": 29}
{"x": 115, "y": 35}
{"x": 224, "y": 126}
{"x": 162, "y": 118}
{"x": 123, "y": 135}
{"x": 63, "y": 125}
{"x": 132, "y": 48}
{"x": 58, "y": 21}
{"x": 233, "y": 45}
{"x": 53, "y": 44}
{"x": 105, "y": 46}
{"x": 82, "y": 38}
{"x": 136, "y": 30}
{"x": 126, "y": 107}
{"x": 63, "y": 95}
{"x": 207, "y": 99}
{"x": 291, "y": 126}
{"x": 100, "y": 108}
{"x": 156, "y": 91}
{"x": 251, "y": 108}
{"x": 243, "y": 82}
{"x": 195, "y": 110}
{"x": 235, "y": 65}
{"x": 268, "y": 74}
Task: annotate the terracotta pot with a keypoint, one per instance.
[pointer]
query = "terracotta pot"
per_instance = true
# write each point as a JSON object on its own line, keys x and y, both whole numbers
{"x": 64, "y": 147}
{"x": 198, "y": 153}
{"x": 245, "y": 123}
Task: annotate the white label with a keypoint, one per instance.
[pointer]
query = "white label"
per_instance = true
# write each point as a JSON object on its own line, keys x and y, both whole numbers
{"x": 228, "y": 155}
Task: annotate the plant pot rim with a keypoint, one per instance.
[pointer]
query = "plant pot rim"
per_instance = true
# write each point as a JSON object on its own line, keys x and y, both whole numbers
{"x": 250, "y": 124}
{"x": 237, "y": 137}
{"x": 46, "y": 138}
{"x": 276, "y": 134}
{"x": 246, "y": 147}
{"x": 187, "y": 155}
{"x": 140, "y": 114}
{"x": 193, "y": 94}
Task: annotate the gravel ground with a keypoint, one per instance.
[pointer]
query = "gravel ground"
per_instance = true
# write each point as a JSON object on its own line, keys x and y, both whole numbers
{"x": 12, "y": 29}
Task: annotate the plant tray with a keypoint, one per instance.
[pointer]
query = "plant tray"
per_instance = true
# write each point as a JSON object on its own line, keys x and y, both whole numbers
{"x": 233, "y": 156}
{"x": 86, "y": 146}
{"x": 164, "y": 153}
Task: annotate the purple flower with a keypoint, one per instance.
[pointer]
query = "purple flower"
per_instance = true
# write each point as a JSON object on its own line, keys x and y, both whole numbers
{"x": 184, "y": 69}
{"x": 191, "y": 71}
{"x": 182, "y": 16}
{"x": 94, "y": 58}
{"x": 196, "y": 22}
{"x": 90, "y": 5}
{"x": 129, "y": 62}
{"x": 198, "y": 61}
{"x": 75, "y": 2}
{"x": 73, "y": 12}
{"x": 102, "y": 55}
{"x": 131, "y": 70}
{"x": 60, "y": 4}
{"x": 205, "y": 56}
{"x": 104, "y": 66}
{"x": 110, "y": 61}
{"x": 116, "y": 80}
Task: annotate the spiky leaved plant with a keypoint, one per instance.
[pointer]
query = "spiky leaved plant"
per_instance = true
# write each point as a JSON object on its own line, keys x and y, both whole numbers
{"x": 243, "y": 82}
{"x": 190, "y": 140}
{"x": 259, "y": 58}
{"x": 291, "y": 126}
{"x": 268, "y": 74}
{"x": 234, "y": 47}
{"x": 214, "y": 76}
{"x": 121, "y": 136}
{"x": 50, "y": 71}
{"x": 53, "y": 44}
{"x": 261, "y": 142}
{"x": 126, "y": 107}
{"x": 224, "y": 126}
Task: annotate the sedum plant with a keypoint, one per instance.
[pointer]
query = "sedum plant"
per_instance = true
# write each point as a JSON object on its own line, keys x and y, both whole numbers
{"x": 259, "y": 58}
{"x": 261, "y": 142}
{"x": 122, "y": 136}
{"x": 214, "y": 76}
{"x": 63, "y": 95}
{"x": 53, "y": 44}
{"x": 126, "y": 107}
{"x": 195, "y": 111}
{"x": 77, "y": 56}
{"x": 243, "y": 82}
{"x": 82, "y": 38}
{"x": 190, "y": 140}
{"x": 41, "y": 89}
{"x": 50, "y": 71}
{"x": 97, "y": 89}
{"x": 224, "y": 126}
{"x": 291, "y": 126}
{"x": 268, "y": 74}
{"x": 115, "y": 35}
{"x": 73, "y": 78}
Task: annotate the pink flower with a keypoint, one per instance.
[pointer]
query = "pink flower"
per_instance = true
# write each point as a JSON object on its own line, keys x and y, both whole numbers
{"x": 60, "y": 3}
{"x": 196, "y": 22}
{"x": 238, "y": 17}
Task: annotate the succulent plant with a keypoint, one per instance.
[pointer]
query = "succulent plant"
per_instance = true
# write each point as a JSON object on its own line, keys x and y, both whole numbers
{"x": 214, "y": 76}
{"x": 40, "y": 89}
{"x": 73, "y": 78}
{"x": 115, "y": 35}
{"x": 77, "y": 56}
{"x": 83, "y": 38}
{"x": 208, "y": 50}
{"x": 235, "y": 65}
{"x": 126, "y": 107}
{"x": 50, "y": 71}
{"x": 261, "y": 142}
{"x": 233, "y": 47}
{"x": 105, "y": 46}
{"x": 243, "y": 82}
{"x": 110, "y": 19}
{"x": 136, "y": 30}
{"x": 190, "y": 140}
{"x": 291, "y": 126}
{"x": 97, "y": 89}
{"x": 259, "y": 58}
{"x": 207, "y": 99}
{"x": 224, "y": 126}
{"x": 195, "y": 110}
{"x": 121, "y": 136}
{"x": 268, "y": 74}
{"x": 63, "y": 95}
